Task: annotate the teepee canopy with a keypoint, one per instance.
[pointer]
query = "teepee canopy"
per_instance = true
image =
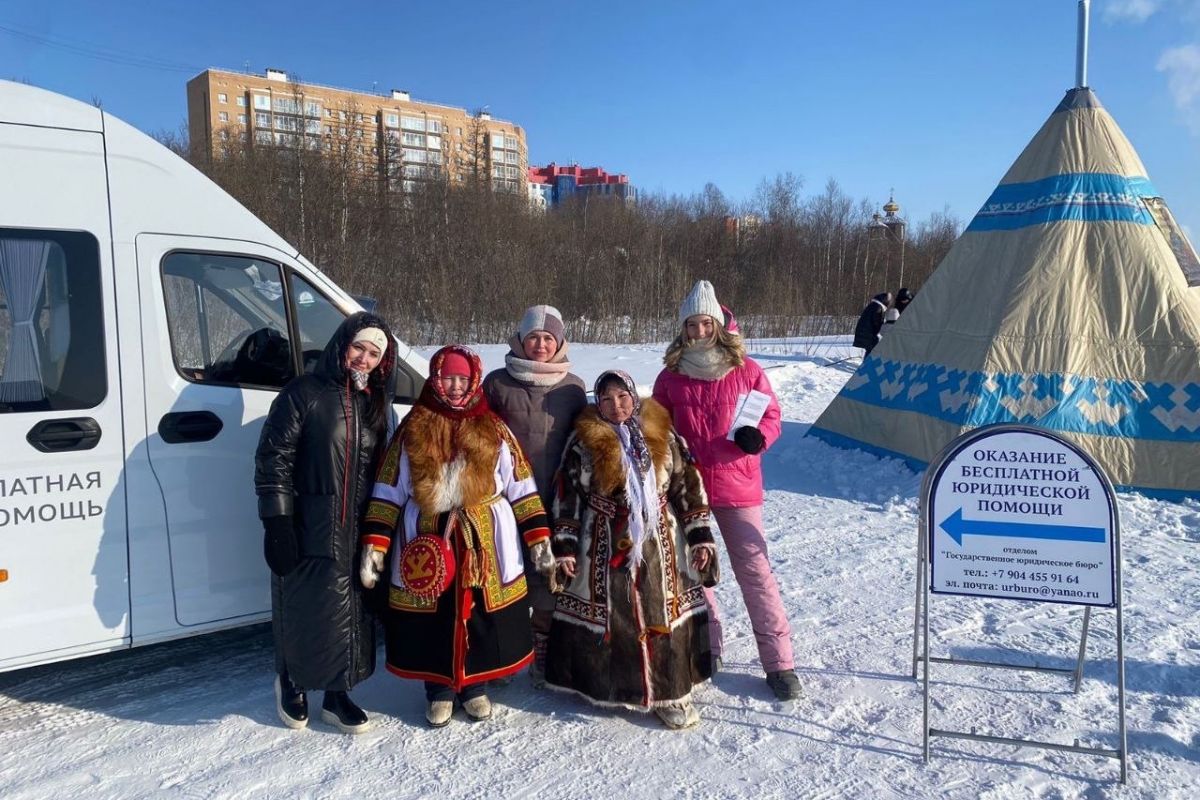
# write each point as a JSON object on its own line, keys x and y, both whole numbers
{"x": 1071, "y": 302}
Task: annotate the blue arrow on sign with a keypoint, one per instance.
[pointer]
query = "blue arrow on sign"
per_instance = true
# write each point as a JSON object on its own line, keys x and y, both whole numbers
{"x": 957, "y": 528}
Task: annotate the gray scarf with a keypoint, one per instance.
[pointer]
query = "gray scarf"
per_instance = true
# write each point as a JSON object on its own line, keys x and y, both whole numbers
{"x": 536, "y": 373}
{"x": 705, "y": 361}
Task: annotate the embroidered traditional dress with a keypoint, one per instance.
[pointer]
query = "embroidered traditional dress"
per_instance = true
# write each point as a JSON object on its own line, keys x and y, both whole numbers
{"x": 461, "y": 476}
{"x": 630, "y": 629}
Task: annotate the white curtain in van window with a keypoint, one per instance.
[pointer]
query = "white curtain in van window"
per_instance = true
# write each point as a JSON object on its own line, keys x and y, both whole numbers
{"x": 22, "y": 274}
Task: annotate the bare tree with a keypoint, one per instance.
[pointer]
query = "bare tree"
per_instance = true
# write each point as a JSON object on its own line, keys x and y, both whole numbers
{"x": 451, "y": 259}
{"x": 473, "y": 159}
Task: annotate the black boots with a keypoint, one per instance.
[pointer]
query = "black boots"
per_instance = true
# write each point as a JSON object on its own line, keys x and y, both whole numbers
{"x": 291, "y": 703}
{"x": 784, "y": 684}
{"x": 337, "y": 708}
{"x": 537, "y": 670}
{"x": 340, "y": 711}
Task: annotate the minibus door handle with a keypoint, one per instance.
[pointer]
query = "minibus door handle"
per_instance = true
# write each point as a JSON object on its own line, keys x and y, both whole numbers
{"x": 61, "y": 435}
{"x": 189, "y": 426}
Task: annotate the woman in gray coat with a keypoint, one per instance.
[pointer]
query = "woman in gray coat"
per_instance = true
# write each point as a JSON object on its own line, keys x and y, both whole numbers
{"x": 539, "y": 398}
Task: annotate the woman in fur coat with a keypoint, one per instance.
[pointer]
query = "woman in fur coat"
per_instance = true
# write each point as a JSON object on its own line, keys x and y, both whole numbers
{"x": 539, "y": 398}
{"x": 633, "y": 544}
{"x": 455, "y": 502}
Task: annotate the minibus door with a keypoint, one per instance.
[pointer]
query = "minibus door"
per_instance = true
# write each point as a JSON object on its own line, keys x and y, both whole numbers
{"x": 64, "y": 579}
{"x": 217, "y": 332}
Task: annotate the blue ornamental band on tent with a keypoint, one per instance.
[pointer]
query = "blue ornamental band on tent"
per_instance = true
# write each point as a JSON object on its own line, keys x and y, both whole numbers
{"x": 1071, "y": 302}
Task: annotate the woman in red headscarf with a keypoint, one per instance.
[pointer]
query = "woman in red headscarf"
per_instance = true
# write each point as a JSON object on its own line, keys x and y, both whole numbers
{"x": 454, "y": 501}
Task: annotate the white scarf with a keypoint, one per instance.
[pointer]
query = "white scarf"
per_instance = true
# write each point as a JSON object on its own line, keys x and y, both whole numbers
{"x": 705, "y": 361}
{"x": 642, "y": 492}
{"x": 536, "y": 373}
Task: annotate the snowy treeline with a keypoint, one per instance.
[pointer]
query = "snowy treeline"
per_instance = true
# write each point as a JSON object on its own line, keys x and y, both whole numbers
{"x": 453, "y": 260}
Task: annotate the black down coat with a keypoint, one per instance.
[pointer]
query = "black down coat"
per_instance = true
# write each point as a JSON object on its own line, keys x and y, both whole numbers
{"x": 870, "y": 323}
{"x": 316, "y": 462}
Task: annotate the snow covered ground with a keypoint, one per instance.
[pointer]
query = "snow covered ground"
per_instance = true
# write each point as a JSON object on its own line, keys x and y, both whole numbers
{"x": 197, "y": 718}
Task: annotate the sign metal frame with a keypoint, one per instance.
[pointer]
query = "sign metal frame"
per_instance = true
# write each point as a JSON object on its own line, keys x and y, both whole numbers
{"x": 921, "y": 655}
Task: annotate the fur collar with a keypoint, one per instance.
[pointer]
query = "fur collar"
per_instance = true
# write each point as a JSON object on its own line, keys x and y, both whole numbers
{"x": 452, "y": 462}
{"x": 602, "y": 443}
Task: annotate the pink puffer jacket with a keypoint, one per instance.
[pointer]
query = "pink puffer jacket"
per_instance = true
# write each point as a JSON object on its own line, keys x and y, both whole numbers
{"x": 702, "y": 412}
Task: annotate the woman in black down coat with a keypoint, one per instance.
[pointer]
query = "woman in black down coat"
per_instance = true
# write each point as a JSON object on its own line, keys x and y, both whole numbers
{"x": 313, "y": 471}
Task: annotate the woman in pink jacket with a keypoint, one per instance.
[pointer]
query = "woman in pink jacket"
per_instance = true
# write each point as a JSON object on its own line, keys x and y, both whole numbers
{"x": 707, "y": 371}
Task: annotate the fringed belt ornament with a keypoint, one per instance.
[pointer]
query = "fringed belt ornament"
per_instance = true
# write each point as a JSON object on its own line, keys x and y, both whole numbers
{"x": 473, "y": 564}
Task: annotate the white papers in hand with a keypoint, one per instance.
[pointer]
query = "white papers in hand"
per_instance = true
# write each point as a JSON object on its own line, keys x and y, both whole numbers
{"x": 750, "y": 410}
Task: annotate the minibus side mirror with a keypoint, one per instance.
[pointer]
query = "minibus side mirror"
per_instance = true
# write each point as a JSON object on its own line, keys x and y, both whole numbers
{"x": 404, "y": 386}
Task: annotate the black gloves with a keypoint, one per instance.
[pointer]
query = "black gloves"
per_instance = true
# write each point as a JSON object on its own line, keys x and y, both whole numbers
{"x": 750, "y": 439}
{"x": 279, "y": 544}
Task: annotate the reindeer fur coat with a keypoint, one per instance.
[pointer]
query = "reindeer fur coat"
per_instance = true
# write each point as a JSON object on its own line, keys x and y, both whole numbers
{"x": 629, "y": 631}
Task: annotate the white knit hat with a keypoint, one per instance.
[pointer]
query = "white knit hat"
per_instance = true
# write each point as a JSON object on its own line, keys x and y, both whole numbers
{"x": 373, "y": 336}
{"x": 702, "y": 299}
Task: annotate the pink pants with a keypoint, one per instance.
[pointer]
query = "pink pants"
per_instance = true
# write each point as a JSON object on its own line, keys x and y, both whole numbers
{"x": 742, "y": 530}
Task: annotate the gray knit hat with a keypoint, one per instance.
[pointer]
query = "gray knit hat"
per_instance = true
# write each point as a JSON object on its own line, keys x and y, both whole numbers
{"x": 702, "y": 299}
{"x": 542, "y": 318}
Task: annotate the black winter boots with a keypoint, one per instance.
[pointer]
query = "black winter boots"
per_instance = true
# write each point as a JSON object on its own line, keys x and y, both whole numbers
{"x": 537, "y": 670}
{"x": 290, "y": 702}
{"x": 341, "y": 712}
{"x": 784, "y": 684}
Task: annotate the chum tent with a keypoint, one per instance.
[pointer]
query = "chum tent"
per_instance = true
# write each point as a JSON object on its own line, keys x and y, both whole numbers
{"x": 1071, "y": 302}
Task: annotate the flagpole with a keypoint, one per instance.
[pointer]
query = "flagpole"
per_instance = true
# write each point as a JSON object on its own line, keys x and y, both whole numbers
{"x": 1081, "y": 49}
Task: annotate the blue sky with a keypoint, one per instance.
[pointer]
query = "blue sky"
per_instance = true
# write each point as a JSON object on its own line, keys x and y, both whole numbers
{"x": 933, "y": 97}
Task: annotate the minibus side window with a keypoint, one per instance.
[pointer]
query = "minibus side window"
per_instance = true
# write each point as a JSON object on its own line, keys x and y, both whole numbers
{"x": 51, "y": 321}
{"x": 316, "y": 318}
{"x": 228, "y": 319}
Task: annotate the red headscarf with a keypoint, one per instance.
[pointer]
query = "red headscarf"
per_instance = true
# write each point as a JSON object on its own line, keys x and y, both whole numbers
{"x": 449, "y": 361}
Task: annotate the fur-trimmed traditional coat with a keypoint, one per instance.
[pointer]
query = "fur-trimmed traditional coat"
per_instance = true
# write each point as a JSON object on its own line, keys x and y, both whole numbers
{"x": 626, "y": 631}
{"x": 469, "y": 481}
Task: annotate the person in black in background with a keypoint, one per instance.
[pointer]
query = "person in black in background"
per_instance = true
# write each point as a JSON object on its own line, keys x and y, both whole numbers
{"x": 903, "y": 298}
{"x": 870, "y": 322}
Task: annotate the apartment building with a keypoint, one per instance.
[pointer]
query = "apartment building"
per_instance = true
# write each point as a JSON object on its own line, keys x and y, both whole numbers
{"x": 555, "y": 184}
{"x": 391, "y": 134}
